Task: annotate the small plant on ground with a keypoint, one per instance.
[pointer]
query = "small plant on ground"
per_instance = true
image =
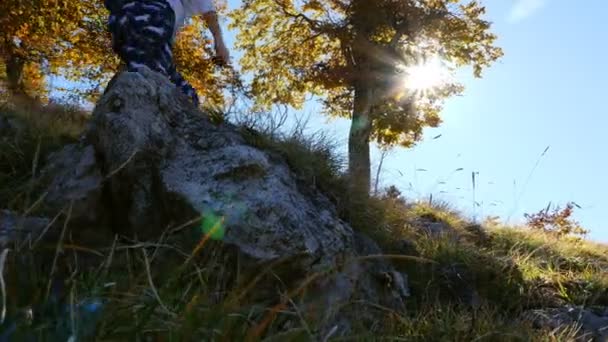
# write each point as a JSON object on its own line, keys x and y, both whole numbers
{"x": 558, "y": 221}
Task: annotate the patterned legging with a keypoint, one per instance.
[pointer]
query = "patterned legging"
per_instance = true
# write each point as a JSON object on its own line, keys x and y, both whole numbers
{"x": 142, "y": 34}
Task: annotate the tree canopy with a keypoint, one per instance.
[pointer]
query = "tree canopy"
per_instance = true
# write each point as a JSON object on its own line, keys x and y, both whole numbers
{"x": 357, "y": 56}
{"x": 70, "y": 39}
{"x": 33, "y": 32}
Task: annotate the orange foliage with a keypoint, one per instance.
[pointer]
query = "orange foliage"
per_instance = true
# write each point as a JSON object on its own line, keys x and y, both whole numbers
{"x": 192, "y": 54}
{"x": 37, "y": 29}
{"x": 34, "y": 31}
{"x": 35, "y": 81}
{"x": 72, "y": 38}
{"x": 558, "y": 221}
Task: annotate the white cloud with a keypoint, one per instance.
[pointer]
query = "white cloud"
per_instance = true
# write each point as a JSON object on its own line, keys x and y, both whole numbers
{"x": 523, "y": 9}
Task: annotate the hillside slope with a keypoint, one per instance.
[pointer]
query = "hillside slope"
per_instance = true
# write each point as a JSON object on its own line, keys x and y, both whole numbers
{"x": 156, "y": 223}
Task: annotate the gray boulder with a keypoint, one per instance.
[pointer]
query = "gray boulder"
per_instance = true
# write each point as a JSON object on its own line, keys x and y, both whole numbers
{"x": 592, "y": 324}
{"x": 150, "y": 160}
{"x": 75, "y": 179}
{"x": 432, "y": 226}
{"x": 164, "y": 161}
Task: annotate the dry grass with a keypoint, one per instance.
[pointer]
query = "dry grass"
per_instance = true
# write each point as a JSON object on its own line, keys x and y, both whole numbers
{"x": 40, "y": 131}
{"x": 171, "y": 290}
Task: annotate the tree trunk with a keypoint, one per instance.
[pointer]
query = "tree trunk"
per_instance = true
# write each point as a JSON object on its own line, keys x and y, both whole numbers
{"x": 359, "y": 168}
{"x": 14, "y": 75}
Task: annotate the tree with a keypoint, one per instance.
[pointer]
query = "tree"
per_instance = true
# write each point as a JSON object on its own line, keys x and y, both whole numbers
{"x": 70, "y": 38}
{"x": 358, "y": 56}
{"x": 34, "y": 32}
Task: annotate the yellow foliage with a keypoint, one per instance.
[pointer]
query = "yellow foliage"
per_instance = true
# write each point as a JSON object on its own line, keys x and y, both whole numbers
{"x": 35, "y": 81}
{"x": 71, "y": 36}
{"x": 36, "y": 30}
{"x": 339, "y": 48}
{"x": 192, "y": 55}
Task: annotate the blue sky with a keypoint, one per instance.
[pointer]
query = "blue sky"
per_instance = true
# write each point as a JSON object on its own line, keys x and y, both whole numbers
{"x": 548, "y": 90}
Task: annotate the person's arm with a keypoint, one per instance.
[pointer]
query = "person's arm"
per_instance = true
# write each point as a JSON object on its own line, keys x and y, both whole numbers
{"x": 221, "y": 51}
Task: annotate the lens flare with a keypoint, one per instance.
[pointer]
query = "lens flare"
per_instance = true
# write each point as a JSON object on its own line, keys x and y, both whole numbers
{"x": 426, "y": 76}
{"x": 213, "y": 226}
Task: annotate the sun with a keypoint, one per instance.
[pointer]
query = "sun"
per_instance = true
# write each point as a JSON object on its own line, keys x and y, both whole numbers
{"x": 426, "y": 76}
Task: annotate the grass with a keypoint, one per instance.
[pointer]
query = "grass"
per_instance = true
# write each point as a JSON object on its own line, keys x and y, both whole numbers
{"x": 42, "y": 130}
{"x": 452, "y": 323}
{"x": 310, "y": 157}
{"x": 475, "y": 286}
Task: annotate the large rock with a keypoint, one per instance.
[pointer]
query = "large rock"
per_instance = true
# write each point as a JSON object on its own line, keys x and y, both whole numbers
{"x": 433, "y": 226}
{"x": 592, "y": 324}
{"x": 168, "y": 163}
{"x": 75, "y": 180}
{"x": 151, "y": 161}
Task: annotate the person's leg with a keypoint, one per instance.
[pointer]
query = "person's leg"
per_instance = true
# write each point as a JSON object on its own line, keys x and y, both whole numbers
{"x": 142, "y": 35}
{"x": 176, "y": 77}
{"x": 133, "y": 48}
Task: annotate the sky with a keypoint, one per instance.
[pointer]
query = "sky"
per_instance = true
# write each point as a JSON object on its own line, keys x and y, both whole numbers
{"x": 547, "y": 91}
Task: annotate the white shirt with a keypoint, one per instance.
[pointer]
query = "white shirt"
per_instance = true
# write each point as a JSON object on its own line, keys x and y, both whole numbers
{"x": 185, "y": 9}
